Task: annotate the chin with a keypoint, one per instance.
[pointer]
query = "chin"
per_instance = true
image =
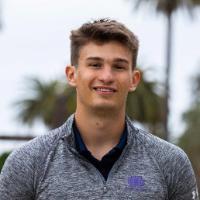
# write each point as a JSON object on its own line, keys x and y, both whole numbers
{"x": 107, "y": 108}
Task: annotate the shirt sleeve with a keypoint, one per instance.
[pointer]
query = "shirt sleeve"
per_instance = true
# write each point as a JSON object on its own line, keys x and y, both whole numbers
{"x": 16, "y": 178}
{"x": 182, "y": 182}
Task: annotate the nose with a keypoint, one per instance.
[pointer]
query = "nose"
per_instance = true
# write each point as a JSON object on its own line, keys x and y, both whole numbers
{"x": 106, "y": 75}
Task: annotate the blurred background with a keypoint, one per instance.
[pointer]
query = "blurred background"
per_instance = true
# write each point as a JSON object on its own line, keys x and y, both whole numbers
{"x": 34, "y": 50}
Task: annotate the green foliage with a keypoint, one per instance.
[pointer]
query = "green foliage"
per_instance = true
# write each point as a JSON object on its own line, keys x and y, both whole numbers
{"x": 3, "y": 158}
{"x": 146, "y": 106}
{"x": 52, "y": 103}
{"x": 190, "y": 140}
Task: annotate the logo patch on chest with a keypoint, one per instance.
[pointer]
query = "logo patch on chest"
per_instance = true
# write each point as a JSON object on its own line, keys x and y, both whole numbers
{"x": 136, "y": 182}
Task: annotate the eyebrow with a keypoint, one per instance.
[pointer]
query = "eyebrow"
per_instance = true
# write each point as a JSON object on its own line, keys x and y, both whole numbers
{"x": 94, "y": 58}
{"x": 121, "y": 60}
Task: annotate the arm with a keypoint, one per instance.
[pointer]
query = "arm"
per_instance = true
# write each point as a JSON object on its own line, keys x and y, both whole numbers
{"x": 16, "y": 178}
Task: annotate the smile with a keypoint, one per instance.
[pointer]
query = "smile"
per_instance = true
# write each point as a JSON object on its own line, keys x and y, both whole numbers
{"x": 104, "y": 89}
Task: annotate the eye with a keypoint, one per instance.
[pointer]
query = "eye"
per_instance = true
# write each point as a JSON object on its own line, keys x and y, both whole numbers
{"x": 95, "y": 65}
{"x": 119, "y": 67}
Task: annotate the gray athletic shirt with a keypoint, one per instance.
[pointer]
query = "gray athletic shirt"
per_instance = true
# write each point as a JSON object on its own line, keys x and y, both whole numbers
{"x": 50, "y": 168}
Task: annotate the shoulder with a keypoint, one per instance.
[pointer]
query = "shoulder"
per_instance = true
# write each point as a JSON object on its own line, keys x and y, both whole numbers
{"x": 25, "y": 166}
{"x": 167, "y": 156}
{"x": 27, "y": 158}
{"x": 159, "y": 147}
{"x": 156, "y": 146}
{"x": 41, "y": 145}
{"x": 30, "y": 157}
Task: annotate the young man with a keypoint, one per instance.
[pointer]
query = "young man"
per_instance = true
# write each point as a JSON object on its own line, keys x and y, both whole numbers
{"x": 98, "y": 153}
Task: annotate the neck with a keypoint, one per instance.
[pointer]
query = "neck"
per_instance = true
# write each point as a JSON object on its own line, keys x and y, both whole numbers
{"x": 100, "y": 131}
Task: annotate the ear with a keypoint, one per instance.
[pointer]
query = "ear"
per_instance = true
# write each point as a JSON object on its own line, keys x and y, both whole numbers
{"x": 136, "y": 76}
{"x": 70, "y": 72}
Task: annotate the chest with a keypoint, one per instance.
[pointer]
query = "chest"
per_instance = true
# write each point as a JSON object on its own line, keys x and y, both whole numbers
{"x": 131, "y": 177}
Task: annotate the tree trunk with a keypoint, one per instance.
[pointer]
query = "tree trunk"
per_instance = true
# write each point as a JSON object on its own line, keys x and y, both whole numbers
{"x": 168, "y": 73}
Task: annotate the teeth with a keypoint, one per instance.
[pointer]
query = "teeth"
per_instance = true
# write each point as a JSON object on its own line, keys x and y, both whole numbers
{"x": 104, "y": 89}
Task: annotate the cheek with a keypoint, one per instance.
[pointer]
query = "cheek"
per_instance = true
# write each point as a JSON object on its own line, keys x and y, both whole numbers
{"x": 84, "y": 81}
{"x": 85, "y": 75}
{"x": 126, "y": 84}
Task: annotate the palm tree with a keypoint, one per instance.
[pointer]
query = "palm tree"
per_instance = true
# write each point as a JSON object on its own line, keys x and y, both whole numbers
{"x": 168, "y": 7}
{"x": 145, "y": 105}
{"x": 52, "y": 103}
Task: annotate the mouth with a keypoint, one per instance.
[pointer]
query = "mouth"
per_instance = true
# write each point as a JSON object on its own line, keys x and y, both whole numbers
{"x": 104, "y": 89}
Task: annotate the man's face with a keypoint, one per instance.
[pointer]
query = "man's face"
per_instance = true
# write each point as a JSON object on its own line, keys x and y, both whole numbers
{"x": 104, "y": 76}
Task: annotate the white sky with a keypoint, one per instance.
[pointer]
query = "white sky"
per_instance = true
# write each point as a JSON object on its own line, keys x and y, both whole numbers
{"x": 34, "y": 42}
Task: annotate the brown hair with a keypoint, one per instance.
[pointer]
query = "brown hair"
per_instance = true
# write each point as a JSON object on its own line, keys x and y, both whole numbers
{"x": 103, "y": 30}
